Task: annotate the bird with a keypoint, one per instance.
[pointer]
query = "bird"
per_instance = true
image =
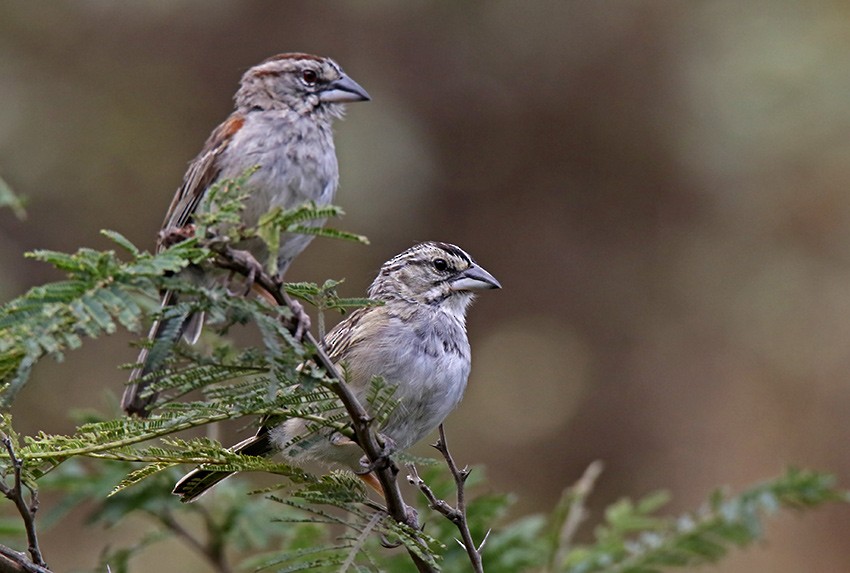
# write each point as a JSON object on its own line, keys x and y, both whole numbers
{"x": 415, "y": 340}
{"x": 281, "y": 128}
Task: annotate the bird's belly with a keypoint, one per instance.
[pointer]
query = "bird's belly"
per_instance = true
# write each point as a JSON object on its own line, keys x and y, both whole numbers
{"x": 425, "y": 397}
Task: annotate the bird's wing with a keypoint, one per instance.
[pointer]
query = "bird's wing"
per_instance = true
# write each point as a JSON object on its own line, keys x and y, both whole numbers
{"x": 203, "y": 171}
{"x": 339, "y": 340}
{"x": 336, "y": 342}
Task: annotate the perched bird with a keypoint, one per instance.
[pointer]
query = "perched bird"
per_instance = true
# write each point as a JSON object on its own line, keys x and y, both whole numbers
{"x": 282, "y": 127}
{"x": 415, "y": 341}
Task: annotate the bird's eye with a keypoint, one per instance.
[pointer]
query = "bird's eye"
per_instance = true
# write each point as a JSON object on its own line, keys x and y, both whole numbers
{"x": 310, "y": 77}
{"x": 440, "y": 264}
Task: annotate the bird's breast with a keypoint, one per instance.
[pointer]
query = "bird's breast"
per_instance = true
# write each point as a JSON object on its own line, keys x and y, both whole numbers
{"x": 295, "y": 162}
{"x": 427, "y": 364}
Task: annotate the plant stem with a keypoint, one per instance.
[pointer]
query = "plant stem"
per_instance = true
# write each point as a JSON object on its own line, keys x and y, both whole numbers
{"x": 456, "y": 515}
{"x": 27, "y": 511}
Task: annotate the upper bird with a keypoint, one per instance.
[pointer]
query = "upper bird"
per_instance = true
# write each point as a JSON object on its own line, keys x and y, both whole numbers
{"x": 415, "y": 341}
{"x": 282, "y": 127}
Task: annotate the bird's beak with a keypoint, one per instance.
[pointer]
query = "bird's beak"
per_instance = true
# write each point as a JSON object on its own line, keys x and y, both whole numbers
{"x": 474, "y": 278}
{"x": 343, "y": 90}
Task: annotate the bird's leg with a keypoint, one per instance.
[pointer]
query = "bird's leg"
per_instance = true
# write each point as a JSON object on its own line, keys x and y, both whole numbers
{"x": 365, "y": 474}
{"x": 248, "y": 264}
{"x": 246, "y": 261}
{"x": 300, "y": 319}
{"x": 383, "y": 461}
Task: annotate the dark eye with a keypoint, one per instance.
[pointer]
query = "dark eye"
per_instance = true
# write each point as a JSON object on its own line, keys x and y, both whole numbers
{"x": 310, "y": 77}
{"x": 440, "y": 264}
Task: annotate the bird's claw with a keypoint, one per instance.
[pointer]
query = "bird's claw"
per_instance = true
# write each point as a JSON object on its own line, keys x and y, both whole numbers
{"x": 300, "y": 318}
{"x": 247, "y": 261}
{"x": 383, "y": 461}
{"x": 387, "y": 544}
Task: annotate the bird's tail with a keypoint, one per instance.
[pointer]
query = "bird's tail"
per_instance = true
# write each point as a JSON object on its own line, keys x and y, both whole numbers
{"x": 164, "y": 334}
{"x": 199, "y": 481}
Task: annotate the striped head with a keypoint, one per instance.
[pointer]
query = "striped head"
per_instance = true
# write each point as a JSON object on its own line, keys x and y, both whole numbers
{"x": 435, "y": 274}
{"x": 300, "y": 82}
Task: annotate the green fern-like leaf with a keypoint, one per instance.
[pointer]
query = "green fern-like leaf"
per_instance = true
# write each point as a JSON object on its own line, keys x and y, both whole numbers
{"x": 632, "y": 541}
{"x": 329, "y": 233}
{"x": 9, "y": 200}
{"x": 100, "y": 293}
{"x": 380, "y": 400}
{"x": 305, "y": 219}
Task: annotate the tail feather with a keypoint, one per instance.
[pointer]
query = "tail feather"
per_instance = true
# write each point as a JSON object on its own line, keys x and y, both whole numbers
{"x": 199, "y": 481}
{"x": 192, "y": 327}
{"x": 164, "y": 334}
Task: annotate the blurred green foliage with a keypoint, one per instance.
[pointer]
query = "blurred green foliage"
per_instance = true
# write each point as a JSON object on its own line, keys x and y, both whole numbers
{"x": 321, "y": 523}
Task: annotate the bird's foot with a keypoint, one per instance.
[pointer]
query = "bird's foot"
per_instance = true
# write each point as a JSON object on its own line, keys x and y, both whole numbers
{"x": 383, "y": 461}
{"x": 299, "y": 323}
{"x": 247, "y": 261}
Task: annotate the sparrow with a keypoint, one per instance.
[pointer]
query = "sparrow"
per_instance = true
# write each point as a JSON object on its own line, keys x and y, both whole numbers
{"x": 281, "y": 128}
{"x": 415, "y": 341}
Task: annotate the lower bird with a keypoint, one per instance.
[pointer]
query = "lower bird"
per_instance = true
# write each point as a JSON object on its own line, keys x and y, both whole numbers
{"x": 415, "y": 341}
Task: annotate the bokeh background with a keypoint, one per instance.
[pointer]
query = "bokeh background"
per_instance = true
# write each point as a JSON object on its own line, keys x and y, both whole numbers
{"x": 662, "y": 187}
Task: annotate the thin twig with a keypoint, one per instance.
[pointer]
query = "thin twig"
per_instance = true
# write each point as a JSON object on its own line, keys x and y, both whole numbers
{"x": 460, "y": 476}
{"x": 27, "y": 511}
{"x": 457, "y": 514}
{"x": 359, "y": 543}
{"x": 244, "y": 263}
{"x": 575, "y": 498}
{"x": 441, "y": 506}
{"x": 207, "y": 550}
{"x": 12, "y": 561}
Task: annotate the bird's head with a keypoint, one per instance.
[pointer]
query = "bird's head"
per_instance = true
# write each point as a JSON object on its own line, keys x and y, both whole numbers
{"x": 436, "y": 274}
{"x": 300, "y": 82}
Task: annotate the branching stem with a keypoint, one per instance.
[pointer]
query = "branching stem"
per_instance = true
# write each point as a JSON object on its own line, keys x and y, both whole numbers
{"x": 12, "y": 561}
{"x": 210, "y": 550}
{"x": 457, "y": 514}
{"x": 576, "y": 513}
{"x": 15, "y": 493}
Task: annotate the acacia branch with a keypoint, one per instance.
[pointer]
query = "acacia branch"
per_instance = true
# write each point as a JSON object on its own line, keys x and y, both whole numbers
{"x": 12, "y": 561}
{"x": 244, "y": 263}
{"x": 576, "y": 513}
{"x": 211, "y": 550}
{"x": 457, "y": 514}
{"x": 15, "y": 493}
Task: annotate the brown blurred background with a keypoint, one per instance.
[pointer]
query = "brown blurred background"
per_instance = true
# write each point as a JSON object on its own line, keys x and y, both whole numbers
{"x": 663, "y": 189}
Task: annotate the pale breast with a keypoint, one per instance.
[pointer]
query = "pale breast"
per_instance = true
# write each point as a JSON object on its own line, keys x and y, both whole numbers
{"x": 296, "y": 163}
{"x": 427, "y": 361}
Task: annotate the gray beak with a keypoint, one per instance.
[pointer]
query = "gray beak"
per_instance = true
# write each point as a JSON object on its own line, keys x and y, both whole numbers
{"x": 474, "y": 278}
{"x": 343, "y": 90}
